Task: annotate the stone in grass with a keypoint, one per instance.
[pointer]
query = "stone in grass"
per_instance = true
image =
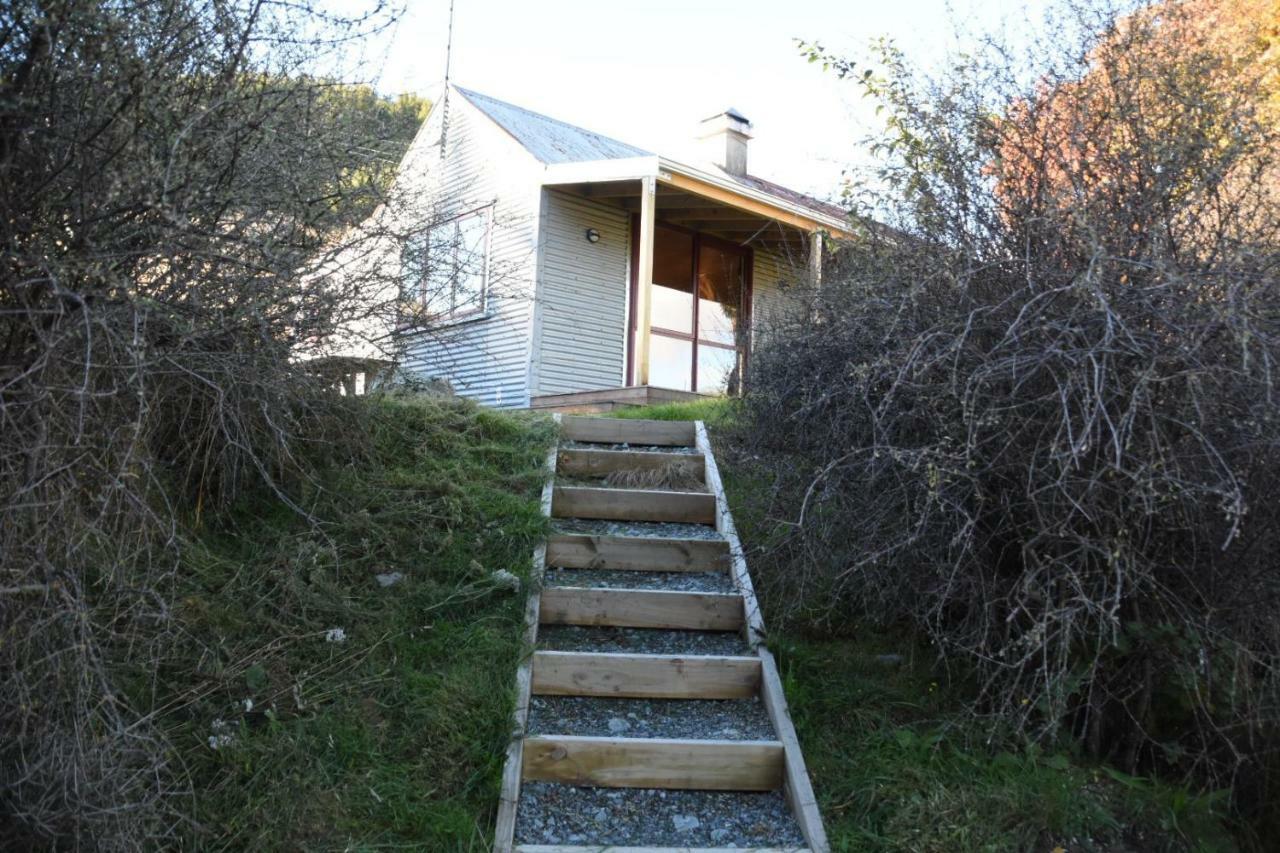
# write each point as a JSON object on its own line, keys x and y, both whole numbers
{"x": 719, "y": 835}
{"x": 617, "y": 725}
{"x": 389, "y": 579}
{"x": 601, "y": 815}
{"x": 685, "y": 822}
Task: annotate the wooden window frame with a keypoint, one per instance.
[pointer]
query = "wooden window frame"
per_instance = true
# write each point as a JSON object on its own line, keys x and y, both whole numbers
{"x": 481, "y": 310}
{"x": 699, "y": 239}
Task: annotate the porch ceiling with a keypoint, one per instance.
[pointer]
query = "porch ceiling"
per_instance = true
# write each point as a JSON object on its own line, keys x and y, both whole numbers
{"x": 678, "y": 207}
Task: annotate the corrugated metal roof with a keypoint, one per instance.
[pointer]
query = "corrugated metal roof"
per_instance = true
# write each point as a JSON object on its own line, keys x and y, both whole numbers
{"x": 552, "y": 141}
{"x": 549, "y": 140}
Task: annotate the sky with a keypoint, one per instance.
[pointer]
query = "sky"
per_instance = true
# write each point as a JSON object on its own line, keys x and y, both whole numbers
{"x": 647, "y": 72}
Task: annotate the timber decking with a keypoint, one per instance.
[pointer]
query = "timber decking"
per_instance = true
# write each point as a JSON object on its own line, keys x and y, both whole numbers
{"x": 675, "y": 763}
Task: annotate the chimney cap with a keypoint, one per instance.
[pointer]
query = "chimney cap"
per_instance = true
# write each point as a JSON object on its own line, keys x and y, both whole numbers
{"x": 731, "y": 113}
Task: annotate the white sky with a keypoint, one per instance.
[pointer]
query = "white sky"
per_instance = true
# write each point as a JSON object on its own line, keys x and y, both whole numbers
{"x": 646, "y": 72}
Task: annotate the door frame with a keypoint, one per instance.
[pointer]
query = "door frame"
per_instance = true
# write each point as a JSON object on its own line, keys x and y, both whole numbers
{"x": 748, "y": 293}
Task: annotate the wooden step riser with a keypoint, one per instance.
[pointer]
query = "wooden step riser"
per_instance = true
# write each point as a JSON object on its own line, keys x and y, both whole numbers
{"x": 628, "y": 431}
{"x": 605, "y": 762}
{"x": 635, "y": 553}
{"x": 642, "y": 608}
{"x": 627, "y": 676}
{"x": 633, "y": 505}
{"x": 602, "y": 463}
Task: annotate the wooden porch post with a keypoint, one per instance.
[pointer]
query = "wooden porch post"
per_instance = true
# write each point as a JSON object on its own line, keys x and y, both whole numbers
{"x": 644, "y": 277}
{"x": 815, "y": 258}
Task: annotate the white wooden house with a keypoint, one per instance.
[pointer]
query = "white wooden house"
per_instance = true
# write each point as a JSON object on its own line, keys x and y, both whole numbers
{"x": 550, "y": 245}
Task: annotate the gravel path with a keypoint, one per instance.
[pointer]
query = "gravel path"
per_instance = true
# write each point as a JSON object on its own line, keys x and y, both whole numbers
{"x": 677, "y": 581}
{"x": 643, "y": 448}
{"x": 661, "y": 529}
{"x": 717, "y": 719}
{"x": 647, "y": 641}
{"x": 562, "y": 814}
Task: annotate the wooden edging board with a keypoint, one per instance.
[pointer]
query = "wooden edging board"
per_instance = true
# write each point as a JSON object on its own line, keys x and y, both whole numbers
{"x": 798, "y": 789}
{"x": 601, "y": 463}
{"x": 641, "y": 608}
{"x": 612, "y": 762}
{"x": 628, "y": 431}
{"x": 637, "y": 553}
{"x": 509, "y": 795}
{"x": 631, "y": 676}
{"x": 633, "y": 505}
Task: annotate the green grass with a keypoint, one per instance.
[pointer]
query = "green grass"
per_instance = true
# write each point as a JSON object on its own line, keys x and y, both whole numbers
{"x": 393, "y": 738}
{"x": 898, "y": 761}
{"x": 712, "y": 410}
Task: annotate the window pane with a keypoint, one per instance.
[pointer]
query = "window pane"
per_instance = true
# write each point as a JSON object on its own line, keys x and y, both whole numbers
{"x": 673, "y": 259}
{"x": 454, "y": 275}
{"x": 670, "y": 362}
{"x": 716, "y": 369}
{"x": 720, "y": 275}
{"x": 672, "y": 309}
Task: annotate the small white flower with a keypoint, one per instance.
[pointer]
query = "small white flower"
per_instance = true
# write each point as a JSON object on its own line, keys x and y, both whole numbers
{"x": 219, "y": 741}
{"x": 504, "y": 578}
{"x": 335, "y": 635}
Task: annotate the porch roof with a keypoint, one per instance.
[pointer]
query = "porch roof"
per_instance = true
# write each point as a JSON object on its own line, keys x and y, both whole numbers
{"x": 575, "y": 157}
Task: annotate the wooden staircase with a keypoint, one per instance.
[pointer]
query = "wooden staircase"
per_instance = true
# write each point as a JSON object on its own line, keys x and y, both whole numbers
{"x": 596, "y": 448}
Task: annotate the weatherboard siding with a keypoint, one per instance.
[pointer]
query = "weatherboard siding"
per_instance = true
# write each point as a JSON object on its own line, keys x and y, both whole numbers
{"x": 487, "y": 358}
{"x": 582, "y": 296}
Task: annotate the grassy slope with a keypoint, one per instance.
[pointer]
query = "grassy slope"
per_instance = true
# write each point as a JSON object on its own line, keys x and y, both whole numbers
{"x": 898, "y": 765}
{"x": 393, "y": 738}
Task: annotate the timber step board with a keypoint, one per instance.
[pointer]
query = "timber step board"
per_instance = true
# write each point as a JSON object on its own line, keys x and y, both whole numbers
{"x": 633, "y": 505}
{"x": 628, "y": 431}
{"x": 637, "y": 553}
{"x": 630, "y": 676}
{"x": 613, "y": 762}
{"x": 615, "y": 848}
{"x": 641, "y": 608}
{"x": 601, "y": 463}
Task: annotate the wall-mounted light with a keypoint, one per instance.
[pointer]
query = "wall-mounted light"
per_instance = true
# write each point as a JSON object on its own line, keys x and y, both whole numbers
{"x": 593, "y": 236}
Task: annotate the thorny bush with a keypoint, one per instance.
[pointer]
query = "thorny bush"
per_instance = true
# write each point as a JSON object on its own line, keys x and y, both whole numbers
{"x": 1032, "y": 411}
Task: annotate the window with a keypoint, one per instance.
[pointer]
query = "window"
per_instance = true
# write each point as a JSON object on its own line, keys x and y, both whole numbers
{"x": 697, "y": 317}
{"x": 448, "y": 267}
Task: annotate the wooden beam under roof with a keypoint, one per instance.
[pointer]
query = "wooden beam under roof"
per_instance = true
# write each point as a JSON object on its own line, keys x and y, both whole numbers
{"x": 716, "y": 214}
{"x": 612, "y": 189}
{"x": 708, "y": 190}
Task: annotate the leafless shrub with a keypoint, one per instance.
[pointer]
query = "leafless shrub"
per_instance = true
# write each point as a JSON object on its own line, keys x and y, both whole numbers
{"x": 1036, "y": 417}
{"x": 175, "y": 195}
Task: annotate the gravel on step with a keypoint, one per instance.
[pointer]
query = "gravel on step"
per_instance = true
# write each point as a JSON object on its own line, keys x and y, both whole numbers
{"x": 661, "y": 529}
{"x": 642, "y": 641}
{"x": 716, "y": 719}
{"x": 643, "y": 448}
{"x": 601, "y": 483}
{"x": 609, "y": 579}
{"x": 563, "y": 814}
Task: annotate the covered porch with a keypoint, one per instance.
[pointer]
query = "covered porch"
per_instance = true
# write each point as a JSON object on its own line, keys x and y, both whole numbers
{"x": 695, "y": 296}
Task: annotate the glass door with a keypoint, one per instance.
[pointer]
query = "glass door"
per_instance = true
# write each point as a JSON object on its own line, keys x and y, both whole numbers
{"x": 698, "y": 314}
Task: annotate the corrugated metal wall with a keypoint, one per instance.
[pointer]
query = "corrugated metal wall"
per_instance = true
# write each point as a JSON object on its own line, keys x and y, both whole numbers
{"x": 770, "y": 275}
{"x": 582, "y": 296}
{"x": 487, "y": 358}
